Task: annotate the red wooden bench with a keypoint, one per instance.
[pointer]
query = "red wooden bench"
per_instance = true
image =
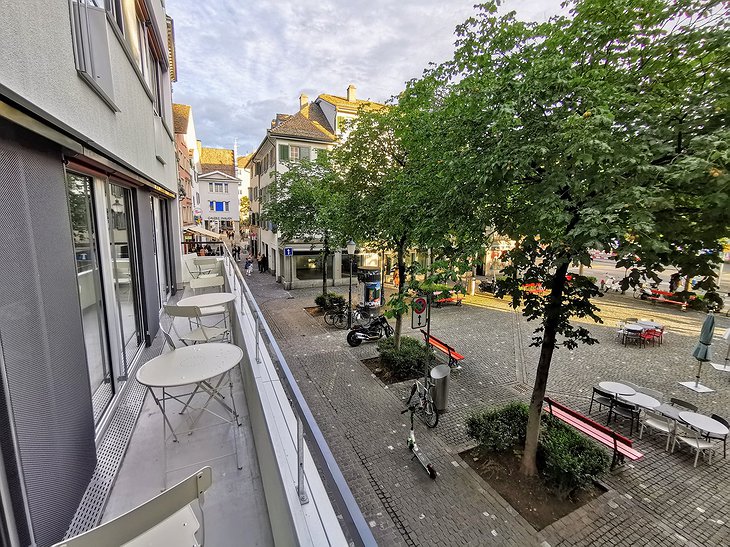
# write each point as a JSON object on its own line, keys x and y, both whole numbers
{"x": 455, "y": 299}
{"x": 663, "y": 300}
{"x": 622, "y": 447}
{"x": 453, "y": 355}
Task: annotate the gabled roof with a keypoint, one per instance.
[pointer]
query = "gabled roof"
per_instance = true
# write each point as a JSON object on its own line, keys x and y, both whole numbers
{"x": 217, "y": 159}
{"x": 180, "y": 117}
{"x": 309, "y": 123}
{"x": 342, "y": 104}
{"x": 243, "y": 161}
{"x": 218, "y": 175}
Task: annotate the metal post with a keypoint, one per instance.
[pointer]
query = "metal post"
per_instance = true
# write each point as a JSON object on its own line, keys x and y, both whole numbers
{"x": 428, "y": 337}
{"x": 258, "y": 357}
{"x": 349, "y": 298}
{"x": 301, "y": 490}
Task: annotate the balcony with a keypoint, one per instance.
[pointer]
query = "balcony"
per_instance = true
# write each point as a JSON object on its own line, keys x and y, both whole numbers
{"x": 287, "y": 491}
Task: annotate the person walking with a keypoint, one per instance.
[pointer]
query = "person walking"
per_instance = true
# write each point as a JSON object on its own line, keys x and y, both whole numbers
{"x": 248, "y": 266}
{"x": 260, "y": 262}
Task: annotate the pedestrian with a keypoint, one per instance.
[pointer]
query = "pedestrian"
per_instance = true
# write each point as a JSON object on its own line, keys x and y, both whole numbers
{"x": 248, "y": 266}
{"x": 260, "y": 262}
{"x": 265, "y": 260}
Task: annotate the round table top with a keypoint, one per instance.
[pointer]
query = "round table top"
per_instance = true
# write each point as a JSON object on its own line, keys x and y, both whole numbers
{"x": 636, "y": 327}
{"x": 650, "y": 324}
{"x": 617, "y": 388}
{"x": 189, "y": 365}
{"x": 642, "y": 399}
{"x": 704, "y": 423}
{"x": 208, "y": 299}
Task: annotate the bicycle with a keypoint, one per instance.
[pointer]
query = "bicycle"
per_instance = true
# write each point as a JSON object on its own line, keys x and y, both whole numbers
{"x": 338, "y": 318}
{"x": 331, "y": 315}
{"x": 426, "y": 403}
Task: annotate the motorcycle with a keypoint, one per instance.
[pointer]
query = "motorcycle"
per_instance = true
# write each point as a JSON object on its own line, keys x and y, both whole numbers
{"x": 377, "y": 328}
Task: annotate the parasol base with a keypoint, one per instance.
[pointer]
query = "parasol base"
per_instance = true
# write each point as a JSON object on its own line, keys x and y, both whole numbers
{"x": 699, "y": 388}
{"x": 721, "y": 368}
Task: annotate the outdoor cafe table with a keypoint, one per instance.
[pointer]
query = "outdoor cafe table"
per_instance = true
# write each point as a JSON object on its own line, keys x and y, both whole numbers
{"x": 616, "y": 388}
{"x": 197, "y": 366}
{"x": 635, "y": 327}
{"x": 650, "y": 324}
{"x": 703, "y": 423}
{"x": 208, "y": 300}
{"x": 669, "y": 411}
{"x": 641, "y": 399}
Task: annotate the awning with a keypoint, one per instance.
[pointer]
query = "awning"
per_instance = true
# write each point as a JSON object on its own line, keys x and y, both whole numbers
{"x": 202, "y": 232}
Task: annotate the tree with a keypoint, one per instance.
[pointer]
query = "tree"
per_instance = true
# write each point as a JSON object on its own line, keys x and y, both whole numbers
{"x": 243, "y": 209}
{"x": 605, "y": 130}
{"x": 304, "y": 204}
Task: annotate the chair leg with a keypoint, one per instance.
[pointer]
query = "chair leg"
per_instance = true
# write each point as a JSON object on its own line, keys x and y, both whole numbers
{"x": 697, "y": 455}
{"x": 591, "y": 406}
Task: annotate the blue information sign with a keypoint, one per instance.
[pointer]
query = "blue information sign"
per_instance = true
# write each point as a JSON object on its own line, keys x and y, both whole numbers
{"x": 288, "y": 251}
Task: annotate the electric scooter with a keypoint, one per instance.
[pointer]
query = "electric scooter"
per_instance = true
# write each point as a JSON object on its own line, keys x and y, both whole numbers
{"x": 412, "y": 446}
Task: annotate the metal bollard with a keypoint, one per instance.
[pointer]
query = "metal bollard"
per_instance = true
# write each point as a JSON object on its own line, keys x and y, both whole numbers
{"x": 301, "y": 490}
{"x": 258, "y": 357}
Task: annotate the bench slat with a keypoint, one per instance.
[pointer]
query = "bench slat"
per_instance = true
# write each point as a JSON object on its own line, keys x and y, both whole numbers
{"x": 444, "y": 348}
{"x": 601, "y": 437}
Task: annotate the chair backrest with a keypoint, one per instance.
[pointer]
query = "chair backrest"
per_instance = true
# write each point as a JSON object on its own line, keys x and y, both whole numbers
{"x": 683, "y": 431}
{"x": 631, "y": 319}
{"x": 206, "y": 283}
{"x": 599, "y": 391}
{"x": 684, "y": 404}
{"x": 133, "y": 525}
{"x": 168, "y": 339}
{"x": 658, "y": 395}
{"x": 205, "y": 260}
{"x": 656, "y": 416}
{"x": 190, "y": 312}
{"x": 618, "y": 403}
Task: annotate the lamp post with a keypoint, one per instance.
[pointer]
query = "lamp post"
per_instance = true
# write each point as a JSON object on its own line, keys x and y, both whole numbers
{"x": 350, "y": 252}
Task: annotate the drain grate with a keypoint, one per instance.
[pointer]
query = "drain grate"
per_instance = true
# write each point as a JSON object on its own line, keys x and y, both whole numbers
{"x": 111, "y": 451}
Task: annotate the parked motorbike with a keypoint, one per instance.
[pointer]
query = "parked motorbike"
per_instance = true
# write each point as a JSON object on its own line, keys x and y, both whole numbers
{"x": 377, "y": 328}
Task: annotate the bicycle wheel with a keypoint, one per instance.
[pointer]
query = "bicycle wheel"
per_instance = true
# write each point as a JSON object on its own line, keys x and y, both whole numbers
{"x": 430, "y": 414}
{"x": 329, "y": 317}
{"x": 340, "y": 320}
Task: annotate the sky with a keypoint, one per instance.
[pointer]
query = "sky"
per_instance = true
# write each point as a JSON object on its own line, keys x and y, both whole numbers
{"x": 240, "y": 62}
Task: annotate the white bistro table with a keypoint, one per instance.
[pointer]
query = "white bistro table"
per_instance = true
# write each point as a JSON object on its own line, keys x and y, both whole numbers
{"x": 642, "y": 399}
{"x": 617, "y": 388}
{"x": 197, "y": 366}
{"x": 214, "y": 303}
{"x": 650, "y": 324}
{"x": 703, "y": 423}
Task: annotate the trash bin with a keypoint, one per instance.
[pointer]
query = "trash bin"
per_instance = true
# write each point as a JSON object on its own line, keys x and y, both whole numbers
{"x": 440, "y": 376}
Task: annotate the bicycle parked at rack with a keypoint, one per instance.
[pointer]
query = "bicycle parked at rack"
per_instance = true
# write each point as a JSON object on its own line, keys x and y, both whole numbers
{"x": 426, "y": 404}
{"x": 338, "y": 317}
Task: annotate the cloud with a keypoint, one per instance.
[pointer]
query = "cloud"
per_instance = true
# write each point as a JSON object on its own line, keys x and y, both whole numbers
{"x": 241, "y": 63}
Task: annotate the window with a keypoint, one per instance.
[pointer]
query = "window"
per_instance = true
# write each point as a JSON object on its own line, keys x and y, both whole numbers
{"x": 293, "y": 153}
{"x": 91, "y": 47}
{"x": 228, "y": 205}
{"x": 114, "y": 7}
{"x": 210, "y": 187}
{"x": 284, "y": 152}
{"x": 211, "y": 205}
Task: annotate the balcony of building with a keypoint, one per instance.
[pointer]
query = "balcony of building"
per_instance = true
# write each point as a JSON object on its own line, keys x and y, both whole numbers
{"x": 275, "y": 481}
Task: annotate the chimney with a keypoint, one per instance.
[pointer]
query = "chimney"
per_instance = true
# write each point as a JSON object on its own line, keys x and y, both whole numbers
{"x": 351, "y": 93}
{"x": 303, "y": 101}
{"x": 273, "y": 123}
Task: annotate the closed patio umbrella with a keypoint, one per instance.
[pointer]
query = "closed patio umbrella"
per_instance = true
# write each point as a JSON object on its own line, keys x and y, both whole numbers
{"x": 703, "y": 353}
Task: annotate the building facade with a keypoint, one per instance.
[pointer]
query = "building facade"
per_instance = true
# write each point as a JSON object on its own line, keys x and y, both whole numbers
{"x": 318, "y": 125}
{"x": 187, "y": 158}
{"x": 89, "y": 238}
{"x": 218, "y": 188}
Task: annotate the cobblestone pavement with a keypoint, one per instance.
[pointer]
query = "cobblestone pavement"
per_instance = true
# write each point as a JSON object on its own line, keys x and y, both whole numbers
{"x": 661, "y": 500}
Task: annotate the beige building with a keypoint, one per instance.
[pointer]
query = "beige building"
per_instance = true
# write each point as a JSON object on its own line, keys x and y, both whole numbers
{"x": 317, "y": 125}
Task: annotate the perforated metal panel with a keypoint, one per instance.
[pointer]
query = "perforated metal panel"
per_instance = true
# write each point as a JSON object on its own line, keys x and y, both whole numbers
{"x": 48, "y": 396}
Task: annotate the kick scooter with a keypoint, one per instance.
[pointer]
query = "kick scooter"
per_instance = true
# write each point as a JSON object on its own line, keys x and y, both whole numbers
{"x": 412, "y": 446}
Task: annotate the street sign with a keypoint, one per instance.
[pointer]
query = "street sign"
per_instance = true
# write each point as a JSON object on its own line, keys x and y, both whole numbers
{"x": 288, "y": 251}
{"x": 419, "y": 317}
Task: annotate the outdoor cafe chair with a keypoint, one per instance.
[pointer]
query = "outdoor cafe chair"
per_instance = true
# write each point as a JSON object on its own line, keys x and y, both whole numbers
{"x": 683, "y": 404}
{"x": 657, "y": 422}
{"x": 166, "y": 519}
{"x": 602, "y": 398}
{"x": 620, "y": 332}
{"x": 690, "y": 437}
{"x": 718, "y": 437}
{"x": 201, "y": 333}
{"x": 631, "y": 320}
{"x": 624, "y": 410}
{"x": 648, "y": 335}
{"x": 206, "y": 283}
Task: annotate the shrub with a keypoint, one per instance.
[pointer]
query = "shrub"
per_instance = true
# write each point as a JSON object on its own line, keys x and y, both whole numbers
{"x": 567, "y": 460}
{"x": 330, "y": 300}
{"x": 499, "y": 429}
{"x": 405, "y": 363}
{"x": 713, "y": 301}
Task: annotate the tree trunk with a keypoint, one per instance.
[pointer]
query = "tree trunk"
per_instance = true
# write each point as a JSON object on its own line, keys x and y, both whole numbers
{"x": 401, "y": 290}
{"x": 325, "y": 254}
{"x": 529, "y": 458}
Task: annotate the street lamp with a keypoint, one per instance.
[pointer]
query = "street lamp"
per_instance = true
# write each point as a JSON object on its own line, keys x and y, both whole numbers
{"x": 351, "y": 252}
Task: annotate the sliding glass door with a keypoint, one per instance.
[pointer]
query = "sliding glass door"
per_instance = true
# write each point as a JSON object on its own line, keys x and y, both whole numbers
{"x": 88, "y": 275}
{"x": 121, "y": 221}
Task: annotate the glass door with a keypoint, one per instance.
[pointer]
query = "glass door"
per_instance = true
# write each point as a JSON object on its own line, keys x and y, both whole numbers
{"x": 124, "y": 271}
{"x": 160, "y": 256}
{"x": 83, "y": 227}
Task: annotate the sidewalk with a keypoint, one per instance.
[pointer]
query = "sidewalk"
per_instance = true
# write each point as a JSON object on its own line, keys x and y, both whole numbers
{"x": 655, "y": 502}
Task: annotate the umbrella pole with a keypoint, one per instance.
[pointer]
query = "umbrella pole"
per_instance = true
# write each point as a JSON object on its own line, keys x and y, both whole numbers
{"x": 699, "y": 371}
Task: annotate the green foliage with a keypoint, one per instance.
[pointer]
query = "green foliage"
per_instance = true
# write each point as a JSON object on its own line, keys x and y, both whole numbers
{"x": 330, "y": 300}
{"x": 713, "y": 301}
{"x": 500, "y": 429}
{"x": 405, "y": 363}
{"x": 567, "y": 460}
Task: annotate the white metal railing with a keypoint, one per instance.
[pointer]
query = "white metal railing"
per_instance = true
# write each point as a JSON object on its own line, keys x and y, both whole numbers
{"x": 321, "y": 507}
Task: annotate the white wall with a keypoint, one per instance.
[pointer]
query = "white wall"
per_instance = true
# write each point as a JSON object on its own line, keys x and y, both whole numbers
{"x": 38, "y": 65}
{"x": 230, "y": 196}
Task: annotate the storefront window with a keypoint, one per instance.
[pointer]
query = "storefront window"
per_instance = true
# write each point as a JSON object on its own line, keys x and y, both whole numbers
{"x": 310, "y": 266}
